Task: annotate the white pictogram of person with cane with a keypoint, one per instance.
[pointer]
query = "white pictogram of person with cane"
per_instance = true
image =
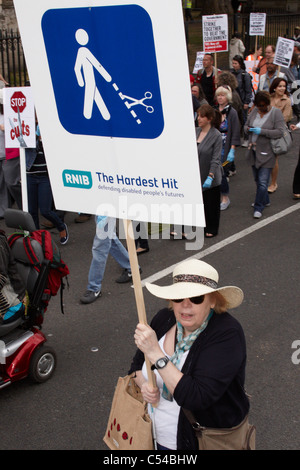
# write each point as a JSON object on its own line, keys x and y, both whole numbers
{"x": 85, "y": 64}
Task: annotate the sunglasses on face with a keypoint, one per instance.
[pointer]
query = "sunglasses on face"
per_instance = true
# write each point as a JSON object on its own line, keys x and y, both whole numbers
{"x": 195, "y": 300}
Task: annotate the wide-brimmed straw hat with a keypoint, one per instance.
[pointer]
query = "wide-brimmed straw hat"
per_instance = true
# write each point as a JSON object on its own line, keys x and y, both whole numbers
{"x": 192, "y": 278}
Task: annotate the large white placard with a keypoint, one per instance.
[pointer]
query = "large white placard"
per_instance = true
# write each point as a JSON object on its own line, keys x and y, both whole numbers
{"x": 118, "y": 134}
{"x": 257, "y": 24}
{"x": 284, "y": 52}
{"x": 215, "y": 33}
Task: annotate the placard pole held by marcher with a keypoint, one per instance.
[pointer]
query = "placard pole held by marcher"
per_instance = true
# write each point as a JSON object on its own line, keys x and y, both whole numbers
{"x": 136, "y": 278}
{"x": 23, "y": 179}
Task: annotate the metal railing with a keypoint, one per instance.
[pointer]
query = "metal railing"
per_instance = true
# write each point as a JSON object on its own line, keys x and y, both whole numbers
{"x": 277, "y": 25}
{"x": 13, "y": 65}
{"x": 12, "y": 61}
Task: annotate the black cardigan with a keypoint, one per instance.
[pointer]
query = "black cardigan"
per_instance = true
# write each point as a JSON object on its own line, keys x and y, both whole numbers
{"x": 212, "y": 386}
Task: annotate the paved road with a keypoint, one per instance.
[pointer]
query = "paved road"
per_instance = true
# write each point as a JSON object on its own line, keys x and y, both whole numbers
{"x": 94, "y": 343}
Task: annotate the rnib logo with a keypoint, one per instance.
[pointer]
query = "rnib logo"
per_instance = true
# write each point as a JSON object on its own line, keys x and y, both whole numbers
{"x": 77, "y": 179}
{"x": 104, "y": 72}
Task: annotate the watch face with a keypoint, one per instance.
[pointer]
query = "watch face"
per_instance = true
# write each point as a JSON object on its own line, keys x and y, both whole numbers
{"x": 161, "y": 363}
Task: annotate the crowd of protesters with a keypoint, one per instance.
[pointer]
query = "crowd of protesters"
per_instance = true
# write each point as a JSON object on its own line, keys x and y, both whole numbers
{"x": 248, "y": 117}
{"x": 229, "y": 113}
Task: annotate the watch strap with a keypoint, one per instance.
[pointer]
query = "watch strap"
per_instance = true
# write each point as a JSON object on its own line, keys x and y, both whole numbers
{"x": 165, "y": 359}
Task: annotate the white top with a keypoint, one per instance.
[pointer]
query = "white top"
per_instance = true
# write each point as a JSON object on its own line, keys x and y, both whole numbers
{"x": 2, "y": 140}
{"x": 165, "y": 414}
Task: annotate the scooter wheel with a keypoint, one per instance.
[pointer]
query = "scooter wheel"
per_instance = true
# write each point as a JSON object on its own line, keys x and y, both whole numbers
{"x": 42, "y": 364}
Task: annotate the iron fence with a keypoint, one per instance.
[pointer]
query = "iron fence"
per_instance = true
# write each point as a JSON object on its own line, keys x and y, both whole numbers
{"x": 276, "y": 25}
{"x": 12, "y": 61}
{"x": 13, "y": 66}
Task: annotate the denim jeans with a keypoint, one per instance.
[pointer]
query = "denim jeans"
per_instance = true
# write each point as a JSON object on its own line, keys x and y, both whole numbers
{"x": 261, "y": 177}
{"x": 105, "y": 242}
{"x": 224, "y": 185}
{"x": 40, "y": 198}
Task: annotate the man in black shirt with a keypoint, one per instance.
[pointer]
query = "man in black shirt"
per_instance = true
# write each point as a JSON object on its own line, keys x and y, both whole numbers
{"x": 207, "y": 78}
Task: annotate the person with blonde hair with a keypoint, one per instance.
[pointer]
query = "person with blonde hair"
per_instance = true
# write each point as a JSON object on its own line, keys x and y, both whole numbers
{"x": 198, "y": 353}
{"x": 230, "y": 131}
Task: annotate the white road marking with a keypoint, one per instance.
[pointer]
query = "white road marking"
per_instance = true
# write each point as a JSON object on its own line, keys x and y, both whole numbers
{"x": 233, "y": 238}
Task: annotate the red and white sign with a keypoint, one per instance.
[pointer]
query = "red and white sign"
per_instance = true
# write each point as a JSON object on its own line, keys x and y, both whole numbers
{"x": 18, "y": 101}
{"x": 215, "y": 33}
{"x": 19, "y": 118}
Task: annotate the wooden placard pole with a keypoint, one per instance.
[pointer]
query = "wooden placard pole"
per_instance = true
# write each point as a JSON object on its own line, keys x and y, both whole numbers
{"x": 23, "y": 179}
{"x": 137, "y": 284}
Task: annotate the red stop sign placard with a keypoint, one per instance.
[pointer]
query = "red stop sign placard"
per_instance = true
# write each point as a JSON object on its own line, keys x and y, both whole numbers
{"x": 18, "y": 100}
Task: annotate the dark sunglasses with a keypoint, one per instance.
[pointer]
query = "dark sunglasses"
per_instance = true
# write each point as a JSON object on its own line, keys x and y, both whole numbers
{"x": 195, "y": 300}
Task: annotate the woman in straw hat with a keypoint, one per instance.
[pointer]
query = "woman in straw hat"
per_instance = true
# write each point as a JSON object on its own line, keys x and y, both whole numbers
{"x": 198, "y": 352}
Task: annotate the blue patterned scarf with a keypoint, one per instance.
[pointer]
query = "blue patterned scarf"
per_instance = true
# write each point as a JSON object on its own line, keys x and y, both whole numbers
{"x": 183, "y": 345}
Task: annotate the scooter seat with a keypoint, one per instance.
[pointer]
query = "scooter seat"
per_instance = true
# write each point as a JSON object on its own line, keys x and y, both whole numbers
{"x": 27, "y": 272}
{"x": 8, "y": 327}
{"x": 21, "y": 220}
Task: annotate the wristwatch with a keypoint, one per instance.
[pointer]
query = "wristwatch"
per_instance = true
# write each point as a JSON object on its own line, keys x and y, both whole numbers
{"x": 160, "y": 363}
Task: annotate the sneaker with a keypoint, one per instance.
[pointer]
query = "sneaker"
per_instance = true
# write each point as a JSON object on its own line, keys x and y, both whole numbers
{"x": 257, "y": 215}
{"x": 90, "y": 296}
{"x": 232, "y": 173}
{"x": 63, "y": 239}
{"x": 224, "y": 205}
{"x": 126, "y": 276}
{"x": 245, "y": 143}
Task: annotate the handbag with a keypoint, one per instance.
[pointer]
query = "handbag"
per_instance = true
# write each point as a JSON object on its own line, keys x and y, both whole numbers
{"x": 129, "y": 426}
{"x": 240, "y": 437}
{"x": 283, "y": 144}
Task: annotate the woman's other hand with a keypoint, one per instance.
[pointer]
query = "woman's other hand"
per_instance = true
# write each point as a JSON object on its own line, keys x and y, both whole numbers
{"x": 150, "y": 395}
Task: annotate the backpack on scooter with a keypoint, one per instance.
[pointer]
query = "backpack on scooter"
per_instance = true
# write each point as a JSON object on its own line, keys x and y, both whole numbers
{"x": 52, "y": 270}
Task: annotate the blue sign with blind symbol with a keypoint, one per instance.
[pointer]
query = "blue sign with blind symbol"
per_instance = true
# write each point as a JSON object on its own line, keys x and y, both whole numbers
{"x": 104, "y": 71}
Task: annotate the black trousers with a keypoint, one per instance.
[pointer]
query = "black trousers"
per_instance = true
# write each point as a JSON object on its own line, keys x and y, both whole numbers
{"x": 211, "y": 201}
{"x": 296, "y": 180}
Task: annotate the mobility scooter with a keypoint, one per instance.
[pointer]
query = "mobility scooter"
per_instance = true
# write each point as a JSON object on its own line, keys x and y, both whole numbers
{"x": 23, "y": 348}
